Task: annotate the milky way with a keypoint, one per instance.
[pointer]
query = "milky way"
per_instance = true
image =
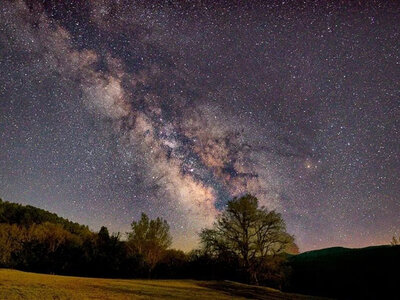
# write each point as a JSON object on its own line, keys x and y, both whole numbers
{"x": 109, "y": 109}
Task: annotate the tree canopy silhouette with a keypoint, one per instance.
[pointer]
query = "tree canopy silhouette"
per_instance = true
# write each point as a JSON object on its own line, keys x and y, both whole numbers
{"x": 150, "y": 239}
{"x": 251, "y": 234}
{"x": 395, "y": 241}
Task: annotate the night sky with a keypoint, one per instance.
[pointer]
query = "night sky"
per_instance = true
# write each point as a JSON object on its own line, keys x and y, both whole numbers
{"x": 113, "y": 108}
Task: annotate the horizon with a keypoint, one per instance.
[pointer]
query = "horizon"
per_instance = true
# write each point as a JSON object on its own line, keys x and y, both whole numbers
{"x": 124, "y": 233}
{"x": 197, "y": 245}
{"x": 108, "y": 110}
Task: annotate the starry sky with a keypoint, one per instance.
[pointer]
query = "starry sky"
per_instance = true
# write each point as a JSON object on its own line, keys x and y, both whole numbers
{"x": 113, "y": 108}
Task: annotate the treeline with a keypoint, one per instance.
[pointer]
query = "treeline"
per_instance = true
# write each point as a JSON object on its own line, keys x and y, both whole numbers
{"x": 13, "y": 213}
{"x": 236, "y": 248}
{"x": 33, "y": 239}
{"x": 247, "y": 244}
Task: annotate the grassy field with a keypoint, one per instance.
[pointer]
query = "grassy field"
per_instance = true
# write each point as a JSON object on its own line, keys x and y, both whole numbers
{"x": 22, "y": 285}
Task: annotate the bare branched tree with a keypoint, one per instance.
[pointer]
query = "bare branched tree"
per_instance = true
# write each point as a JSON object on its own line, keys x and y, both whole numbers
{"x": 395, "y": 241}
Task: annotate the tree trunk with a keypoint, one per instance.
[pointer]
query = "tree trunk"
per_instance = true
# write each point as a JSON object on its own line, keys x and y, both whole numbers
{"x": 253, "y": 278}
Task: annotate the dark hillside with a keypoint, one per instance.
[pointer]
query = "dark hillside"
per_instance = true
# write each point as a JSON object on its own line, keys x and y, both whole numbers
{"x": 371, "y": 272}
{"x": 26, "y": 215}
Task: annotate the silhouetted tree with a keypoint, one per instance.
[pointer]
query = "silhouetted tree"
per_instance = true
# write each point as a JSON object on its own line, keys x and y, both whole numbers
{"x": 171, "y": 265}
{"x": 12, "y": 238}
{"x": 395, "y": 241}
{"x": 106, "y": 254}
{"x": 251, "y": 233}
{"x": 150, "y": 239}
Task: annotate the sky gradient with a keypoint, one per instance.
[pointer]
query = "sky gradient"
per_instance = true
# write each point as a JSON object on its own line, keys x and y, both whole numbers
{"x": 109, "y": 109}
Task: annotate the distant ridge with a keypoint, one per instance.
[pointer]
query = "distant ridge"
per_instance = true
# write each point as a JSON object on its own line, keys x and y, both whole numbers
{"x": 339, "y": 250}
{"x": 349, "y": 273}
{"x": 26, "y": 215}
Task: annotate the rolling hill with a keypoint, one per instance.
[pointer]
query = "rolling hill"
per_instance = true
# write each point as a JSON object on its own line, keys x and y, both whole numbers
{"x": 364, "y": 273}
{"x": 23, "y": 285}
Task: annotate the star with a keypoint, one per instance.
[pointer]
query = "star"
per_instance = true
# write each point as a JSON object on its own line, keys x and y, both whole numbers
{"x": 111, "y": 109}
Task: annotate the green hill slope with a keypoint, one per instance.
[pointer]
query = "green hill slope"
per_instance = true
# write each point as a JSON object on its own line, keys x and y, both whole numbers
{"x": 23, "y": 285}
{"x": 26, "y": 215}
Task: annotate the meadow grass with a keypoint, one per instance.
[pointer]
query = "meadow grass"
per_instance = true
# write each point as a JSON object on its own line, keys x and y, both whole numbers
{"x": 23, "y": 285}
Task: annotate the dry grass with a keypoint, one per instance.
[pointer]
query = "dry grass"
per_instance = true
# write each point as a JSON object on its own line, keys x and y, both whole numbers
{"x": 22, "y": 285}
